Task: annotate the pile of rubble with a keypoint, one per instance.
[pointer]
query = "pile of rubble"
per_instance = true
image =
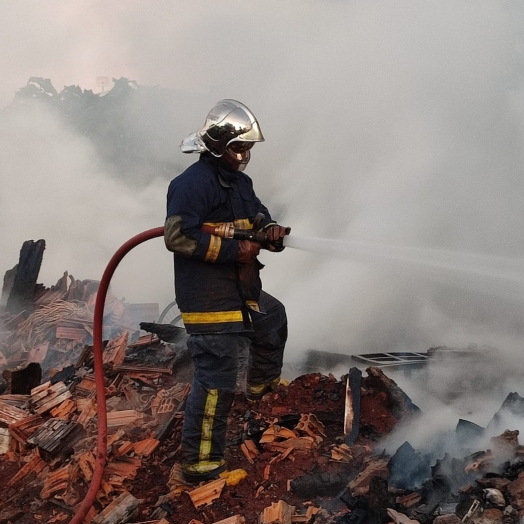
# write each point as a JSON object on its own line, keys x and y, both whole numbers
{"x": 310, "y": 452}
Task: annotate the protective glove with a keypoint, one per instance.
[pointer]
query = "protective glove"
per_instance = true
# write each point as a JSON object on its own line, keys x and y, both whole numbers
{"x": 275, "y": 235}
{"x": 247, "y": 251}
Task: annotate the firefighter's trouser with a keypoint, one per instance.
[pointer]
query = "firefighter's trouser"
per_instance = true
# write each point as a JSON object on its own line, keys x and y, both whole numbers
{"x": 215, "y": 357}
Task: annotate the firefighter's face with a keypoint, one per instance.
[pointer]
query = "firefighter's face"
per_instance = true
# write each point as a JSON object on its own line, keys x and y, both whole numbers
{"x": 238, "y": 154}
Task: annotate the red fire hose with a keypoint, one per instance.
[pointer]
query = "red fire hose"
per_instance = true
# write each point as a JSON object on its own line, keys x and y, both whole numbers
{"x": 98, "y": 318}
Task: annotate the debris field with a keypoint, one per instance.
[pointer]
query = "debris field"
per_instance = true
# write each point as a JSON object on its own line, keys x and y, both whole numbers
{"x": 309, "y": 452}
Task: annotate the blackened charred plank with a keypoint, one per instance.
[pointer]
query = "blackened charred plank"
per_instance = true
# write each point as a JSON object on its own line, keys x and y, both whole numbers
{"x": 22, "y": 379}
{"x": 352, "y": 406}
{"x": 379, "y": 500}
{"x": 56, "y": 434}
{"x": 22, "y": 293}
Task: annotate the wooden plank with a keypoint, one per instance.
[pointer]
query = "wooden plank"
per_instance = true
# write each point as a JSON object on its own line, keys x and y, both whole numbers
{"x": 10, "y": 414}
{"x": 23, "y": 429}
{"x": 18, "y": 401}
{"x": 118, "y": 511}
{"x": 42, "y": 394}
{"x": 124, "y": 368}
{"x": 123, "y": 418}
{"x": 35, "y": 392}
{"x": 5, "y": 440}
{"x": 51, "y": 403}
{"x": 352, "y": 406}
{"x": 70, "y": 333}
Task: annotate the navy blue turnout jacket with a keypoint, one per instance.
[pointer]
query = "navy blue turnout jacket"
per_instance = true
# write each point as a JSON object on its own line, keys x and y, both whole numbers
{"x": 206, "y": 272}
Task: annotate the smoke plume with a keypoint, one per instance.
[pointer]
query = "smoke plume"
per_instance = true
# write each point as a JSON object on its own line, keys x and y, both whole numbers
{"x": 387, "y": 123}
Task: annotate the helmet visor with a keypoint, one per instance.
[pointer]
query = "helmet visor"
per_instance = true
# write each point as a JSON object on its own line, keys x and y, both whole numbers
{"x": 240, "y": 147}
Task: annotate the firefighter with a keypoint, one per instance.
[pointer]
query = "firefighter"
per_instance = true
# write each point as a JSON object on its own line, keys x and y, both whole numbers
{"x": 217, "y": 283}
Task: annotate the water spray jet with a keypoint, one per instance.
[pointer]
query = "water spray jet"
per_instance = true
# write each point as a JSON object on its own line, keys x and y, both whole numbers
{"x": 436, "y": 262}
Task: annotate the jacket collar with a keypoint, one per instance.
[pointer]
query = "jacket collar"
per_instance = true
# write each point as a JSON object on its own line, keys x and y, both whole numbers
{"x": 226, "y": 176}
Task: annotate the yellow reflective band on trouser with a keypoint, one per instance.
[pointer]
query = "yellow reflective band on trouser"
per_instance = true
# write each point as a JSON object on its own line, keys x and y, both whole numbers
{"x": 212, "y": 317}
{"x": 202, "y": 467}
{"x": 206, "y": 436}
{"x": 214, "y": 249}
{"x": 257, "y": 389}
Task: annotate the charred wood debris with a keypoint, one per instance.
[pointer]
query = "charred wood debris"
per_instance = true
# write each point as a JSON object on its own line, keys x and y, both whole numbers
{"x": 308, "y": 452}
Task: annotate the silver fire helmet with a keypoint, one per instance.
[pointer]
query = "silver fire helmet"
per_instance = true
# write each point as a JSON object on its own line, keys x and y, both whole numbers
{"x": 229, "y": 121}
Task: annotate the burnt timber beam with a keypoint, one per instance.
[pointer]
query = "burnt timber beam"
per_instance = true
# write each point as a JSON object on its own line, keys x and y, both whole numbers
{"x": 21, "y": 294}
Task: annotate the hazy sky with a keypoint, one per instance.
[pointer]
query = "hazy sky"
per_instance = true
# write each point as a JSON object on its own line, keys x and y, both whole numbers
{"x": 393, "y": 123}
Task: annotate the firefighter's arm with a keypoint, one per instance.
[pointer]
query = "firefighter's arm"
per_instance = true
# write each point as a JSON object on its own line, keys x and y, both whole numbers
{"x": 197, "y": 244}
{"x": 274, "y": 232}
{"x": 175, "y": 240}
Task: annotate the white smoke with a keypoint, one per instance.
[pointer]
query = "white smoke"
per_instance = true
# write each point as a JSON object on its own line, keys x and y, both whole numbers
{"x": 56, "y": 188}
{"x": 391, "y": 123}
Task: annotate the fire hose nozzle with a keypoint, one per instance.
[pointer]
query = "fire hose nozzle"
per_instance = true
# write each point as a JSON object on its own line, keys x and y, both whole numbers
{"x": 227, "y": 230}
{"x": 261, "y": 238}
